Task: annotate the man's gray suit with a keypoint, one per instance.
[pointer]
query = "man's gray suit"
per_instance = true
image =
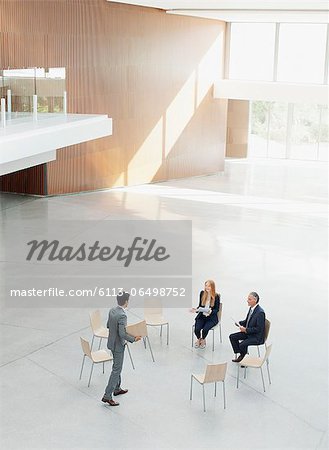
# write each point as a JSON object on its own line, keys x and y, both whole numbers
{"x": 118, "y": 336}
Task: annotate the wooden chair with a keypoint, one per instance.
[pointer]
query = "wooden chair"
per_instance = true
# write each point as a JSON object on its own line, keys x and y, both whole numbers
{"x": 213, "y": 374}
{"x": 266, "y": 333}
{"x": 256, "y": 362}
{"x": 98, "y": 329}
{"x": 139, "y": 329}
{"x": 218, "y": 325}
{"x": 97, "y": 357}
{"x": 154, "y": 316}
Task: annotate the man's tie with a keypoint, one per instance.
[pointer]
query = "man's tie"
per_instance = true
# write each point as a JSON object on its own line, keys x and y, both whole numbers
{"x": 248, "y": 318}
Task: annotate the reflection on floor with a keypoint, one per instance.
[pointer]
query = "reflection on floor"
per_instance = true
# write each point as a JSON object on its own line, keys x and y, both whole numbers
{"x": 258, "y": 226}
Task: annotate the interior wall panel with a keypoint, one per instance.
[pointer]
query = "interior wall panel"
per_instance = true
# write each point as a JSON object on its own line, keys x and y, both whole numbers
{"x": 237, "y": 128}
{"x": 27, "y": 181}
{"x": 138, "y": 65}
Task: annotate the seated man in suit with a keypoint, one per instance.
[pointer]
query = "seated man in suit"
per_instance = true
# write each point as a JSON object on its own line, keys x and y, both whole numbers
{"x": 252, "y": 329}
{"x": 118, "y": 336}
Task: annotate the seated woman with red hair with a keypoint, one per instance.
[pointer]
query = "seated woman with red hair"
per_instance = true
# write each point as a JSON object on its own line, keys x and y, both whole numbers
{"x": 207, "y": 313}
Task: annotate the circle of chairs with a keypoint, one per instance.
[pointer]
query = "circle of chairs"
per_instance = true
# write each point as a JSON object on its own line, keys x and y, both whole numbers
{"x": 214, "y": 373}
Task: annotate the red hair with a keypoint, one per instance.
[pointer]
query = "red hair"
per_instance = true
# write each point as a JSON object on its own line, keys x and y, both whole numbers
{"x": 212, "y": 293}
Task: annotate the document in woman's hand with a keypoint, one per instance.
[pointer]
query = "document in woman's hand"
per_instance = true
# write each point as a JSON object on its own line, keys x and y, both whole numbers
{"x": 203, "y": 309}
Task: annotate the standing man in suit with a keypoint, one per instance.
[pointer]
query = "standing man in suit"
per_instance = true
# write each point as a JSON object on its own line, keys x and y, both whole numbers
{"x": 118, "y": 336}
{"x": 252, "y": 329}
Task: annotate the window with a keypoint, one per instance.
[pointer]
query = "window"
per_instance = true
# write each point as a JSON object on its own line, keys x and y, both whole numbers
{"x": 302, "y": 50}
{"x": 259, "y": 115}
{"x": 252, "y": 51}
{"x": 323, "y": 134}
{"x": 278, "y": 130}
{"x": 287, "y": 130}
{"x": 305, "y": 132}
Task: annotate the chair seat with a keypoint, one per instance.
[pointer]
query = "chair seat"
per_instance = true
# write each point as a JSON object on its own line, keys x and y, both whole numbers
{"x": 199, "y": 377}
{"x": 251, "y": 361}
{"x": 101, "y": 332}
{"x": 101, "y": 356}
{"x": 155, "y": 320}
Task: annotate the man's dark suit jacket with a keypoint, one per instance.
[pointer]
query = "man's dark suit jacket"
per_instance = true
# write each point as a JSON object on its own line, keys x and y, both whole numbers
{"x": 213, "y": 318}
{"x": 256, "y": 325}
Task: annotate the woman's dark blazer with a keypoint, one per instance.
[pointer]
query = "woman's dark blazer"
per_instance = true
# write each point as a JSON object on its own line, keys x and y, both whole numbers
{"x": 213, "y": 318}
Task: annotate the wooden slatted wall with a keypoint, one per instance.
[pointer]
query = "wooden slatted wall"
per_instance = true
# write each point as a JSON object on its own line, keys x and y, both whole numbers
{"x": 27, "y": 181}
{"x": 138, "y": 65}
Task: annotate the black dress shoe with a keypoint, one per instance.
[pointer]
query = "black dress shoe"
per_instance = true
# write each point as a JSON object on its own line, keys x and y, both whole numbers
{"x": 110, "y": 402}
{"x": 238, "y": 359}
{"x": 120, "y": 392}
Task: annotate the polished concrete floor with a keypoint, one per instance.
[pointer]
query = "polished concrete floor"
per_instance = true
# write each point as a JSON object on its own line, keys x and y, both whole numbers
{"x": 259, "y": 226}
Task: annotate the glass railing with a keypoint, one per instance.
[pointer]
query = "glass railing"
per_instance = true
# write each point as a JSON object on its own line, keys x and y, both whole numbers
{"x": 32, "y": 90}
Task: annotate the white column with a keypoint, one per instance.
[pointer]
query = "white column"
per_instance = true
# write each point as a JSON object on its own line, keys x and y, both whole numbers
{"x": 35, "y": 107}
{"x": 9, "y": 101}
{"x": 65, "y": 102}
{"x": 3, "y": 112}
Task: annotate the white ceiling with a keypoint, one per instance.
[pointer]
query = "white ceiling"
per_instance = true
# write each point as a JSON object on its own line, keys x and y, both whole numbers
{"x": 243, "y": 10}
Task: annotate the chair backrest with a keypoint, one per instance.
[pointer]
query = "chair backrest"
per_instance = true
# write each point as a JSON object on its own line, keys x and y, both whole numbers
{"x": 267, "y": 354}
{"x": 137, "y": 329}
{"x": 267, "y": 329}
{"x": 215, "y": 372}
{"x": 95, "y": 320}
{"x": 85, "y": 347}
{"x": 153, "y": 307}
{"x": 220, "y": 311}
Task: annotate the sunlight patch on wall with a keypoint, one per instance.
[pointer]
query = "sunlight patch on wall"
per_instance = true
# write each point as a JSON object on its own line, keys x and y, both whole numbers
{"x": 209, "y": 69}
{"x": 152, "y": 154}
{"x": 148, "y": 158}
{"x": 180, "y": 112}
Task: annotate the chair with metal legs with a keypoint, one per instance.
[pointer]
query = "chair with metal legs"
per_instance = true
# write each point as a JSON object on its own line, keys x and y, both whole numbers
{"x": 154, "y": 316}
{"x": 130, "y": 357}
{"x": 97, "y": 357}
{"x": 218, "y": 325}
{"x": 266, "y": 333}
{"x": 97, "y": 328}
{"x": 214, "y": 373}
{"x": 139, "y": 329}
{"x": 256, "y": 362}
